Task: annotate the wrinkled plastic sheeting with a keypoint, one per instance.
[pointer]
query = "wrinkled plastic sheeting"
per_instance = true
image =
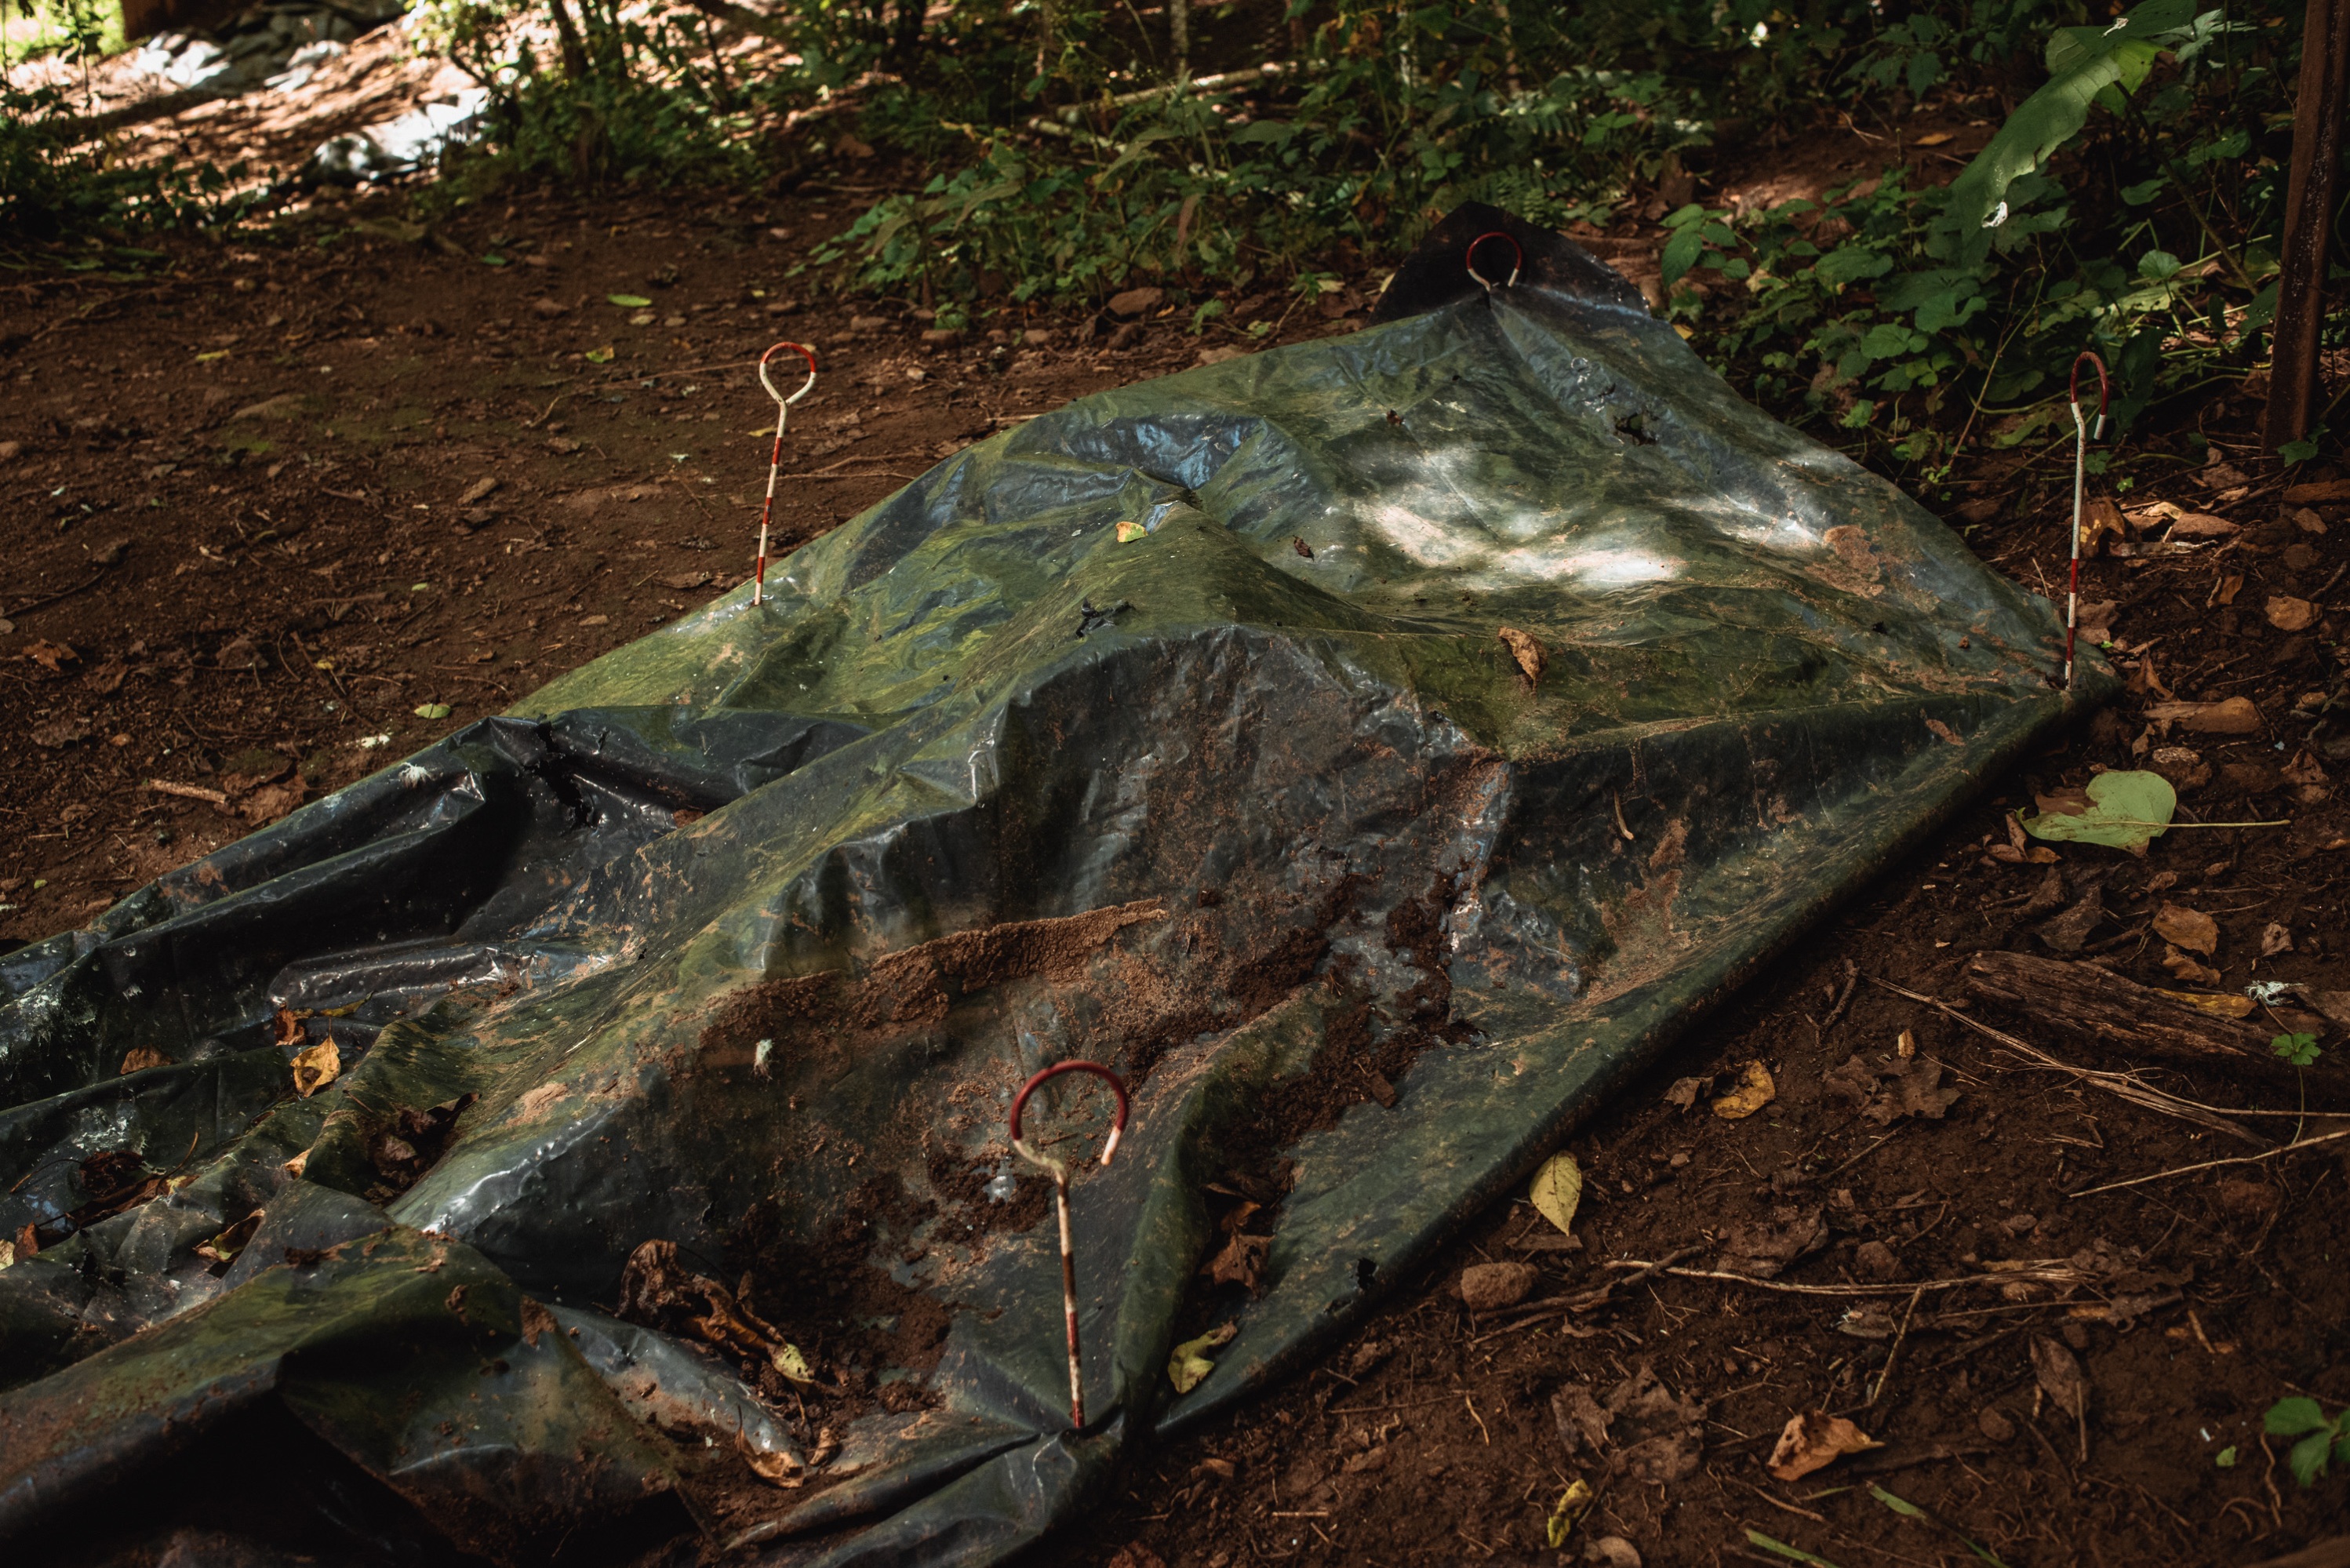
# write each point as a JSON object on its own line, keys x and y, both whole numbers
{"x": 774, "y": 908}
{"x": 404, "y": 143}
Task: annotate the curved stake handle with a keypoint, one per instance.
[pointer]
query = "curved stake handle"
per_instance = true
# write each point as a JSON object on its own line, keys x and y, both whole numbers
{"x": 1059, "y": 1171}
{"x": 775, "y": 461}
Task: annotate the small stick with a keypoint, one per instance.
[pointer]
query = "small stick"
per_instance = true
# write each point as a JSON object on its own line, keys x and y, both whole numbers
{"x": 1060, "y": 1173}
{"x": 2083, "y": 435}
{"x": 1895, "y": 1354}
{"x": 775, "y": 461}
{"x": 2216, "y": 1163}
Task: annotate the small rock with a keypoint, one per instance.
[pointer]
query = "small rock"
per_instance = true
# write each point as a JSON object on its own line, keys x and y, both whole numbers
{"x": 1218, "y": 355}
{"x": 1612, "y": 1551}
{"x": 942, "y": 337}
{"x": 1127, "y": 335}
{"x": 549, "y": 309}
{"x": 1490, "y": 1287}
{"x": 1036, "y": 336}
{"x": 563, "y": 444}
{"x": 11, "y": 450}
{"x": 1133, "y": 302}
{"x": 476, "y": 491}
{"x": 868, "y": 323}
{"x": 1875, "y": 1260}
{"x": 1995, "y": 1426}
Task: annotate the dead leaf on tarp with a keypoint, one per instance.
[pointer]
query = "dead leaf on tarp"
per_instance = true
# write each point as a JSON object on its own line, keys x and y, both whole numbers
{"x": 1490, "y": 1287}
{"x": 2190, "y": 929}
{"x": 2276, "y": 937}
{"x": 225, "y": 1247}
{"x": 780, "y": 1467}
{"x": 1528, "y": 650}
{"x": 1762, "y": 1248}
{"x": 138, "y": 1058}
{"x": 1754, "y": 1090}
{"x": 2289, "y": 614}
{"x": 319, "y": 1066}
{"x": 1558, "y": 1191}
{"x": 289, "y": 1028}
{"x": 1188, "y": 1365}
{"x": 1814, "y": 1440}
{"x": 1240, "y": 1263}
{"x": 2187, "y": 969}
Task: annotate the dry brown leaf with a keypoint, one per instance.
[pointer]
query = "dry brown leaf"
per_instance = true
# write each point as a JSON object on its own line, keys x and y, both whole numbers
{"x": 1814, "y": 1440}
{"x": 140, "y": 1057}
{"x": 50, "y": 655}
{"x": 2187, "y": 969}
{"x": 1242, "y": 1262}
{"x": 2289, "y": 614}
{"x": 2277, "y": 939}
{"x": 319, "y": 1066}
{"x": 2229, "y": 587}
{"x": 1528, "y": 650}
{"x": 2099, "y": 518}
{"x": 1934, "y": 138}
{"x": 1754, "y": 1090}
{"x": 2190, "y": 929}
{"x": 2065, "y": 1383}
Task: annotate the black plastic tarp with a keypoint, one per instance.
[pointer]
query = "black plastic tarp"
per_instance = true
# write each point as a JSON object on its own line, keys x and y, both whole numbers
{"x": 1175, "y": 729}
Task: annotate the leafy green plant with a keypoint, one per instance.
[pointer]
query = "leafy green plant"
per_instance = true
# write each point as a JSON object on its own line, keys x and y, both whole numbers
{"x": 2323, "y": 1439}
{"x": 2299, "y": 1049}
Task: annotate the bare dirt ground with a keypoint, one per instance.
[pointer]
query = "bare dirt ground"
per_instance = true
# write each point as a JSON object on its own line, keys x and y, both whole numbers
{"x": 268, "y": 502}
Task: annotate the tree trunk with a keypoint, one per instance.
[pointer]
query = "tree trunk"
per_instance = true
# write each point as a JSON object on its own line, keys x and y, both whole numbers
{"x": 566, "y": 41}
{"x": 2294, "y": 385}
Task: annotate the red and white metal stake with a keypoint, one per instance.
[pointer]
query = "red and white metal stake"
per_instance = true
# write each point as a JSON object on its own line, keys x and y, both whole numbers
{"x": 1060, "y": 1173}
{"x": 775, "y": 463}
{"x": 2084, "y": 432}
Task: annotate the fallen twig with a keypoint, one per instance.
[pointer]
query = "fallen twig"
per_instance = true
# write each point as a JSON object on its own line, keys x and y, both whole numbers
{"x": 2038, "y": 1277}
{"x": 187, "y": 792}
{"x": 2216, "y": 1163}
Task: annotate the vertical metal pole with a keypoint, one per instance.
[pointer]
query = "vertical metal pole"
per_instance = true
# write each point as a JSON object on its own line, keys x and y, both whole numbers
{"x": 2319, "y": 105}
{"x": 1069, "y": 1297}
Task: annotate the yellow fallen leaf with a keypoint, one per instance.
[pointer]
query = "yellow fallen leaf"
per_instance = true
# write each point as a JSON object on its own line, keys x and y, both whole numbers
{"x": 1813, "y": 1441}
{"x": 1128, "y": 533}
{"x": 1557, "y": 1188}
{"x": 1933, "y": 138}
{"x": 319, "y": 1066}
{"x": 2221, "y": 1004}
{"x": 791, "y": 1364}
{"x": 1189, "y": 1366}
{"x": 1573, "y": 1504}
{"x": 1754, "y": 1091}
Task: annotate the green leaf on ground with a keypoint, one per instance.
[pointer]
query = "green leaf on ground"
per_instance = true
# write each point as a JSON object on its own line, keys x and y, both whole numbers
{"x": 2126, "y": 810}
